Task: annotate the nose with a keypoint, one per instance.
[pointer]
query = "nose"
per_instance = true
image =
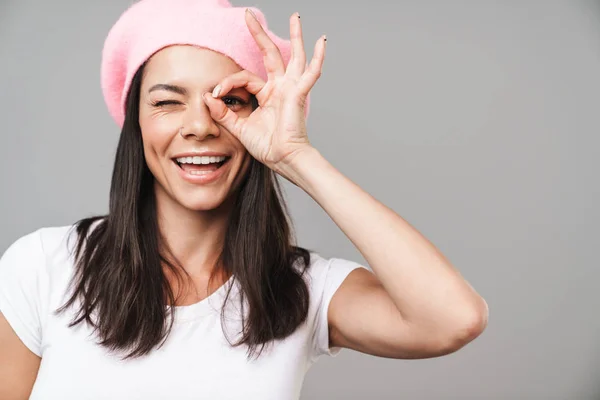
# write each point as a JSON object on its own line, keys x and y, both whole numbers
{"x": 197, "y": 123}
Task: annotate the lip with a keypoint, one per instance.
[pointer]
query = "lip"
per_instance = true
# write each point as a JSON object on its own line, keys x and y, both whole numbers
{"x": 205, "y": 178}
{"x": 200, "y": 154}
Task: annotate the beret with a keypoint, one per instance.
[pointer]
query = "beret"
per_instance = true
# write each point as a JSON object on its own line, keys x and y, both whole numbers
{"x": 148, "y": 26}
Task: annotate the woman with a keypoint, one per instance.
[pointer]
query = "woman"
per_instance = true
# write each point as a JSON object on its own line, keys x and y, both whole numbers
{"x": 190, "y": 287}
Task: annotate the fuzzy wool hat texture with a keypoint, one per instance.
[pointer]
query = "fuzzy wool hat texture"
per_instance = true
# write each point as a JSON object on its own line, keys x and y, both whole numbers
{"x": 148, "y": 26}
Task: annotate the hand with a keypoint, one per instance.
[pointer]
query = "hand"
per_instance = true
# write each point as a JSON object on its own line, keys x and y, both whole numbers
{"x": 276, "y": 131}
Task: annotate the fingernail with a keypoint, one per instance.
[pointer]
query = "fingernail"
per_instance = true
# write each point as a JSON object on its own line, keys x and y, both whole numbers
{"x": 325, "y": 37}
{"x": 216, "y": 91}
{"x": 251, "y": 12}
{"x": 298, "y": 15}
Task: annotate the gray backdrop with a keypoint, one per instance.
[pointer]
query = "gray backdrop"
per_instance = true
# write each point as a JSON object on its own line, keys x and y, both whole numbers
{"x": 476, "y": 121}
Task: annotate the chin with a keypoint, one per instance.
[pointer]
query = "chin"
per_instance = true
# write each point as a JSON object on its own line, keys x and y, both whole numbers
{"x": 206, "y": 204}
{"x": 200, "y": 196}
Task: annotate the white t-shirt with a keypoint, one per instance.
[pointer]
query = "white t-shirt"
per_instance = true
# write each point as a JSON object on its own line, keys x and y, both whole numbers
{"x": 196, "y": 361}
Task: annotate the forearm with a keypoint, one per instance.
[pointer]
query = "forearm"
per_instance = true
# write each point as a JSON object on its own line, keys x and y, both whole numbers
{"x": 425, "y": 287}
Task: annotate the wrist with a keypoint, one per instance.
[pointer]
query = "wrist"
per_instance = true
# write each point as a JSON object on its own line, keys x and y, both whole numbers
{"x": 296, "y": 166}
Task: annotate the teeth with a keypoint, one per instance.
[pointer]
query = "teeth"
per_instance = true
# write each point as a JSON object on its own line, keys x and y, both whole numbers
{"x": 200, "y": 160}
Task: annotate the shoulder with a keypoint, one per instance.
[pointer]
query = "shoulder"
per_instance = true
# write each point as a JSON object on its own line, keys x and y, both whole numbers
{"x": 320, "y": 266}
{"x": 22, "y": 251}
{"x": 40, "y": 238}
{"x": 25, "y": 283}
{"x": 29, "y": 252}
{"x": 325, "y": 275}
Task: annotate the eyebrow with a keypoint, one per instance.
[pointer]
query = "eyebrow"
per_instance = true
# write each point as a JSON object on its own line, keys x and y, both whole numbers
{"x": 176, "y": 89}
{"x": 171, "y": 88}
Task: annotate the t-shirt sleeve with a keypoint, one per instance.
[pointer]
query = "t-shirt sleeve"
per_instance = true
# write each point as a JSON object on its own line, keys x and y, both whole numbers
{"x": 327, "y": 279}
{"x": 22, "y": 284}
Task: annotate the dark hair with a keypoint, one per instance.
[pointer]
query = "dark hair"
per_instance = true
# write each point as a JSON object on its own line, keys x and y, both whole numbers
{"x": 119, "y": 263}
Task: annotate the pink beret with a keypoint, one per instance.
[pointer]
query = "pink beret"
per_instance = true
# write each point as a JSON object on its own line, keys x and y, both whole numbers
{"x": 150, "y": 25}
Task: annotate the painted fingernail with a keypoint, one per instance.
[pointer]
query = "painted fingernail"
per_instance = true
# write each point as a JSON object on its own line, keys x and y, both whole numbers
{"x": 216, "y": 91}
{"x": 325, "y": 37}
{"x": 251, "y": 12}
{"x": 298, "y": 15}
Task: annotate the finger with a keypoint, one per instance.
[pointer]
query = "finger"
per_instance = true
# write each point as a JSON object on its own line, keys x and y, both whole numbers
{"x": 222, "y": 115}
{"x": 314, "y": 70}
{"x": 297, "y": 64}
{"x": 273, "y": 60}
{"x": 242, "y": 79}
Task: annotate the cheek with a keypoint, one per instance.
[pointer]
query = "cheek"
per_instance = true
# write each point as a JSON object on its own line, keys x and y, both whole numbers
{"x": 243, "y": 170}
{"x": 156, "y": 135}
{"x": 156, "y": 138}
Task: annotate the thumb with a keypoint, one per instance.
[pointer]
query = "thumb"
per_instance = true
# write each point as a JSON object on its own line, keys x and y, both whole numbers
{"x": 222, "y": 115}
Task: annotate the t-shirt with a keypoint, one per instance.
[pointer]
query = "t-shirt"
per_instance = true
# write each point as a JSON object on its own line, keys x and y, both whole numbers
{"x": 195, "y": 362}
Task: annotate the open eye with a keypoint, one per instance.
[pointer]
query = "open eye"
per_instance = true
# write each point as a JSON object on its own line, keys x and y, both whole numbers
{"x": 232, "y": 101}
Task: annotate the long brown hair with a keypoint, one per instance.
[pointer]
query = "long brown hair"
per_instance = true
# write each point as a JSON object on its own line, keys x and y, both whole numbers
{"x": 119, "y": 260}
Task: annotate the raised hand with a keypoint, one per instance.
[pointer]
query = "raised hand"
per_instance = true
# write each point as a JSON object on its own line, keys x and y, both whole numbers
{"x": 276, "y": 131}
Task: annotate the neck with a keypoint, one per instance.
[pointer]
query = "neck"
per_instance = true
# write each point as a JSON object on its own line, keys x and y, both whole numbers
{"x": 194, "y": 238}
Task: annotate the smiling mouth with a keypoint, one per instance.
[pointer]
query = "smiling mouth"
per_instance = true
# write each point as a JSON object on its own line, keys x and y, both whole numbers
{"x": 200, "y": 165}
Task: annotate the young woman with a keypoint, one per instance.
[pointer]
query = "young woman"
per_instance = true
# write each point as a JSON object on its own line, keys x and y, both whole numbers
{"x": 191, "y": 287}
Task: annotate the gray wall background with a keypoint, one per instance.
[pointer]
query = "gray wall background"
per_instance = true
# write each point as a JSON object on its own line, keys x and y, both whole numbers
{"x": 478, "y": 122}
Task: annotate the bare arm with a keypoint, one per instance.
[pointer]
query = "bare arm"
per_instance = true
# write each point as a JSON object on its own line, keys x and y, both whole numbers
{"x": 416, "y": 304}
{"x": 18, "y": 365}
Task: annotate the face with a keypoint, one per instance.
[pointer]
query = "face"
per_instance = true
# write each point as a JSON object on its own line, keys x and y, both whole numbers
{"x": 201, "y": 166}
